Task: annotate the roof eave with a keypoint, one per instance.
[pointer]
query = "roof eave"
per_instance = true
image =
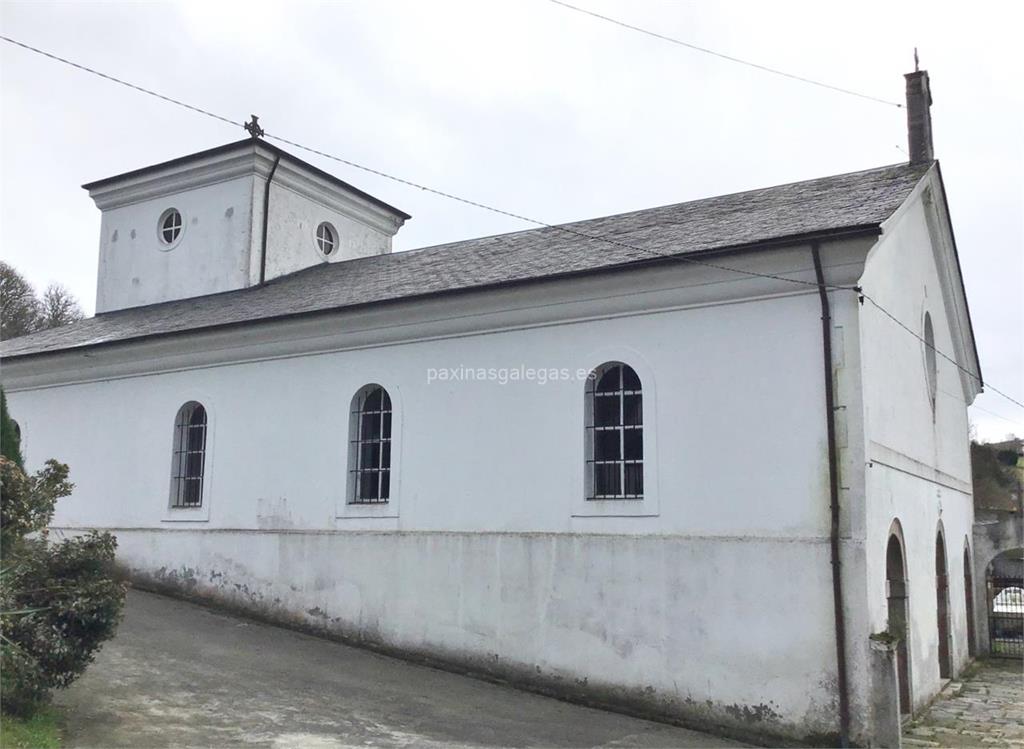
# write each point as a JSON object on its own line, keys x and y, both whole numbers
{"x": 847, "y": 232}
{"x": 960, "y": 277}
{"x": 238, "y": 146}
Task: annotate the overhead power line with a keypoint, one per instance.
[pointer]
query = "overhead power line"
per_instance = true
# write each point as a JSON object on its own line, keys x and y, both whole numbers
{"x": 723, "y": 56}
{"x": 948, "y": 358}
{"x": 86, "y": 69}
{"x": 370, "y": 170}
{"x": 1017, "y": 422}
{"x": 558, "y": 227}
{"x": 975, "y": 406}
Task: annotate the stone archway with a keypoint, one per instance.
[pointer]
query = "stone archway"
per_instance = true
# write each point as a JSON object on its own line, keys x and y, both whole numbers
{"x": 896, "y": 600}
{"x": 942, "y": 606}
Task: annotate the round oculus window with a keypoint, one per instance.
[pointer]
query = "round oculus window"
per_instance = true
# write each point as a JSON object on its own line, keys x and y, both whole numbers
{"x": 170, "y": 226}
{"x": 326, "y": 238}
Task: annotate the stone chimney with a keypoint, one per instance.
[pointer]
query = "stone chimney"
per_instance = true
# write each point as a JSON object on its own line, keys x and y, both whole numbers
{"x": 919, "y": 117}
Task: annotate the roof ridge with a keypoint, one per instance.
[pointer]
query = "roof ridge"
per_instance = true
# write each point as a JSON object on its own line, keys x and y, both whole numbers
{"x": 620, "y": 214}
{"x": 817, "y": 207}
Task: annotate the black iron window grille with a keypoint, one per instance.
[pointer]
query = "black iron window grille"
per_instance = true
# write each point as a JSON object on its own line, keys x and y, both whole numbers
{"x": 370, "y": 453}
{"x": 615, "y": 434}
{"x": 1006, "y": 616}
{"x": 189, "y": 460}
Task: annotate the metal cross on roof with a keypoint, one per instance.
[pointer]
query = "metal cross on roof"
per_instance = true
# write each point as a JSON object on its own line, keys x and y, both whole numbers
{"x": 253, "y": 127}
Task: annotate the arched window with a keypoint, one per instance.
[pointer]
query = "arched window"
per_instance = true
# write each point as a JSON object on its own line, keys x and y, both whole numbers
{"x": 370, "y": 453}
{"x": 614, "y": 433}
{"x": 189, "y": 459}
{"x": 930, "y": 362}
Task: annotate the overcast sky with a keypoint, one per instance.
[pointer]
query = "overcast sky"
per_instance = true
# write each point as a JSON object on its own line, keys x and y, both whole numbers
{"x": 528, "y": 106}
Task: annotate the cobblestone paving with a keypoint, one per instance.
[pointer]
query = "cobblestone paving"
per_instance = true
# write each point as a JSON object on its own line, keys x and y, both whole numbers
{"x": 985, "y": 710}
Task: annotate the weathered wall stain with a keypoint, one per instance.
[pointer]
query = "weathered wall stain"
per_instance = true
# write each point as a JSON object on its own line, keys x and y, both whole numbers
{"x": 346, "y": 610}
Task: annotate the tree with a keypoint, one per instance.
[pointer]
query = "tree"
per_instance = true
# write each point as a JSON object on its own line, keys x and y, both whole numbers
{"x": 58, "y": 601}
{"x": 19, "y": 308}
{"x": 57, "y": 307}
{"x": 22, "y": 313}
{"x": 996, "y": 474}
{"x": 10, "y": 436}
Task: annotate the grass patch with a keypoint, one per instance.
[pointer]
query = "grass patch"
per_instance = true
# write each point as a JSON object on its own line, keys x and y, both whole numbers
{"x": 38, "y": 732}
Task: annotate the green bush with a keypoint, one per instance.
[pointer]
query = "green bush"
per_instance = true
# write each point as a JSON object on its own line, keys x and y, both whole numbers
{"x": 23, "y": 682}
{"x": 58, "y": 601}
{"x": 10, "y": 441}
{"x": 29, "y": 501}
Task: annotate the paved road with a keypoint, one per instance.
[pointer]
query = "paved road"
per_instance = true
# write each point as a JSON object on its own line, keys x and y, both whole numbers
{"x": 181, "y": 675}
{"x": 986, "y": 710}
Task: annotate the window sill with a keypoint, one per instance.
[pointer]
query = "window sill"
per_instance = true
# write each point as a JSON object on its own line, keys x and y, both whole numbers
{"x": 186, "y": 518}
{"x": 187, "y": 514}
{"x": 616, "y": 508}
{"x": 369, "y": 510}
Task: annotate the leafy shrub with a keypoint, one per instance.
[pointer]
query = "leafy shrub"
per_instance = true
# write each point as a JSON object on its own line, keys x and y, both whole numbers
{"x": 58, "y": 601}
{"x": 10, "y": 440}
{"x": 23, "y": 682}
{"x": 73, "y": 605}
{"x": 29, "y": 501}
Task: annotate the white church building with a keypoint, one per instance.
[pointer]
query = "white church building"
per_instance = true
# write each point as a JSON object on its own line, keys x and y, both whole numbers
{"x": 689, "y": 462}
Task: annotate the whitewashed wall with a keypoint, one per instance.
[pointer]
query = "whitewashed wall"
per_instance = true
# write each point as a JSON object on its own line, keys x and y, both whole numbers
{"x": 711, "y": 601}
{"x": 739, "y": 455}
{"x": 220, "y": 196}
{"x": 714, "y": 604}
{"x": 298, "y": 204}
{"x": 918, "y": 460}
{"x": 211, "y": 255}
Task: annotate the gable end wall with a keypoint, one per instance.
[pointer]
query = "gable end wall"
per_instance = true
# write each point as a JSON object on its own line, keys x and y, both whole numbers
{"x": 917, "y": 467}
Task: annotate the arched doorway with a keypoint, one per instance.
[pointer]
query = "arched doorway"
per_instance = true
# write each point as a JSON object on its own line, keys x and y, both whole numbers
{"x": 896, "y": 598}
{"x": 969, "y": 600}
{"x": 942, "y": 606}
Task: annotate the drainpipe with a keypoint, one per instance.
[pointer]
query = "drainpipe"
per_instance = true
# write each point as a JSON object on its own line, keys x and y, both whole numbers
{"x": 833, "y": 480}
{"x": 266, "y": 219}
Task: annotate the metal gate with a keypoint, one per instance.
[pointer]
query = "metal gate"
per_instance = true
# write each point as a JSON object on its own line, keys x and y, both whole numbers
{"x": 1006, "y": 616}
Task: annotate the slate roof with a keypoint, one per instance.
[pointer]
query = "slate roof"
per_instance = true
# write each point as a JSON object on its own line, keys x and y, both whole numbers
{"x": 855, "y": 201}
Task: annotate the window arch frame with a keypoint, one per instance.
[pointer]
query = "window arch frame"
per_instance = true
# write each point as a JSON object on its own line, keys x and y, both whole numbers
{"x": 361, "y": 448}
{"x": 931, "y": 361}
{"x": 943, "y": 608}
{"x": 603, "y": 470}
{"x": 897, "y": 590}
{"x": 326, "y": 237}
{"x": 172, "y": 221}
{"x": 190, "y": 438}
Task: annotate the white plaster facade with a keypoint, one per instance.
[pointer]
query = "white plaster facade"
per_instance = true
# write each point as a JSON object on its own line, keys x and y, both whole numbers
{"x": 221, "y": 197}
{"x": 917, "y": 455}
{"x": 709, "y": 601}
